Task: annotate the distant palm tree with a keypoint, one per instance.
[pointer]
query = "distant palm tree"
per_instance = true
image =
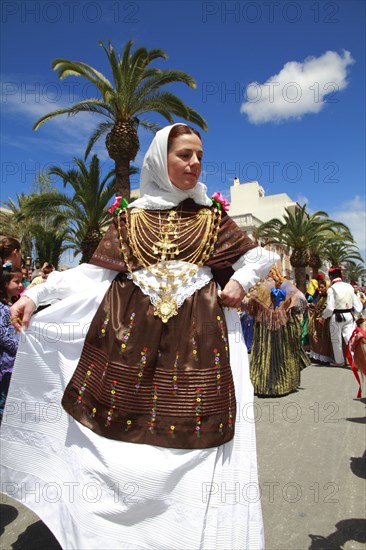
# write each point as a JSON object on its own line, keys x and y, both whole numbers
{"x": 339, "y": 236}
{"x": 85, "y": 210}
{"x": 300, "y": 232}
{"x": 50, "y": 243}
{"x": 135, "y": 91}
{"x": 339, "y": 252}
{"x": 15, "y": 224}
{"x": 353, "y": 271}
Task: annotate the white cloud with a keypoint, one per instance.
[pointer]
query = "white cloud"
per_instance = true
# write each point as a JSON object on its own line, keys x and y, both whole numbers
{"x": 353, "y": 214}
{"x": 298, "y": 89}
{"x": 57, "y": 134}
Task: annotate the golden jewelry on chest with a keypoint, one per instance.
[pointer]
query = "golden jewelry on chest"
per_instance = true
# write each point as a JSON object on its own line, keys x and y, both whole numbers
{"x": 157, "y": 238}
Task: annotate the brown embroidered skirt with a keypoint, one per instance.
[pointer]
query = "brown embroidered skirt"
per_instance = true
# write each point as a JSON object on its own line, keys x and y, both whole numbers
{"x": 145, "y": 381}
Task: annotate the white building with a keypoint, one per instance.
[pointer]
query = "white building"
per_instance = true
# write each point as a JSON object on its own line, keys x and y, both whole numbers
{"x": 250, "y": 207}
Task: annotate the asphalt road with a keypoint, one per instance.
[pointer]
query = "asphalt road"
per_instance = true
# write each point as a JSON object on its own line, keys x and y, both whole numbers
{"x": 312, "y": 470}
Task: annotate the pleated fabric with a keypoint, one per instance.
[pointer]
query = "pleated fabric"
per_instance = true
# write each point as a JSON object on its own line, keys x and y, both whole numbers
{"x": 94, "y": 492}
{"x": 277, "y": 358}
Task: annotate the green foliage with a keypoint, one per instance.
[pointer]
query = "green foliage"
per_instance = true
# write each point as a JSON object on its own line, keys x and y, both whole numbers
{"x": 85, "y": 211}
{"x": 306, "y": 236}
{"x": 134, "y": 90}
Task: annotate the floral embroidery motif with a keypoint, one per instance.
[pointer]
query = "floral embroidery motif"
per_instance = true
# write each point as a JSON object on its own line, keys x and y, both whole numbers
{"x": 84, "y": 385}
{"x": 128, "y": 425}
{"x": 194, "y": 342}
{"x": 221, "y": 425}
{"x": 230, "y": 421}
{"x": 92, "y": 414}
{"x": 103, "y": 328}
{"x": 172, "y": 429}
{"x": 222, "y": 332}
{"x": 198, "y": 410}
{"x": 175, "y": 375}
{"x": 141, "y": 371}
{"x": 217, "y": 369}
{"x": 127, "y": 334}
{"x": 153, "y": 410}
{"x": 112, "y": 405}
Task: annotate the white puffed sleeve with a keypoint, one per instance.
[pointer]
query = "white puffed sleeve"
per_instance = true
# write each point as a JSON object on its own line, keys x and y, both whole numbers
{"x": 61, "y": 284}
{"x": 253, "y": 266}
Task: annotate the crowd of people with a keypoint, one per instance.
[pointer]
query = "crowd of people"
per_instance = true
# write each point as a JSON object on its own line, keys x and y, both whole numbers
{"x": 142, "y": 361}
{"x": 15, "y": 278}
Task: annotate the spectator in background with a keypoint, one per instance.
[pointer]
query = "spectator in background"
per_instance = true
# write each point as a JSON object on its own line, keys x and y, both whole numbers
{"x": 25, "y": 277}
{"x": 320, "y": 344}
{"x": 360, "y": 295}
{"x": 10, "y": 252}
{"x": 10, "y": 287}
{"x": 45, "y": 271}
{"x": 312, "y": 291}
{"x": 38, "y": 271}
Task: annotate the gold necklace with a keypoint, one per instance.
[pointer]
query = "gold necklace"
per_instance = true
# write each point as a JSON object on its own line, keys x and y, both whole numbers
{"x": 157, "y": 238}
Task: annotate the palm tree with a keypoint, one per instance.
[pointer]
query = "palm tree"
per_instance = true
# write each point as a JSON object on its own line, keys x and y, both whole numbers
{"x": 50, "y": 243}
{"x": 353, "y": 271}
{"x": 86, "y": 209}
{"x": 339, "y": 236}
{"x": 300, "y": 232}
{"x": 339, "y": 252}
{"x": 135, "y": 91}
{"x": 14, "y": 223}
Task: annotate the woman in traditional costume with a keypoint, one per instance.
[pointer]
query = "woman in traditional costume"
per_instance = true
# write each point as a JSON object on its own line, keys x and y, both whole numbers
{"x": 277, "y": 356}
{"x": 321, "y": 350}
{"x": 154, "y": 444}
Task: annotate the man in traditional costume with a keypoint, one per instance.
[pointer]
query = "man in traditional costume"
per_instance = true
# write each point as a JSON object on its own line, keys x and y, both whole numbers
{"x": 342, "y": 303}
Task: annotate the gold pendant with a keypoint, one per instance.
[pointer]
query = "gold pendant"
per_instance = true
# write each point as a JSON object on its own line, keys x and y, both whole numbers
{"x": 165, "y": 307}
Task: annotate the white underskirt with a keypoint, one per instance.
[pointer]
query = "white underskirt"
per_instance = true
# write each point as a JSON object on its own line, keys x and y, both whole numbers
{"x": 96, "y": 493}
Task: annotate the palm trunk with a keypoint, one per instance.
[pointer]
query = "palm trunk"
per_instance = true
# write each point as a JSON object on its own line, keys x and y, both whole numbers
{"x": 89, "y": 245}
{"x": 300, "y": 278}
{"x": 122, "y": 186}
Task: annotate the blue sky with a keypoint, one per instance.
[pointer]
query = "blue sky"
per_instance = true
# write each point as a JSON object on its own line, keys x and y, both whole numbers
{"x": 280, "y": 84}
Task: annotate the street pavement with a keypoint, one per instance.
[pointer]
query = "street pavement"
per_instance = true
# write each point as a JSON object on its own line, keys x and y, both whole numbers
{"x": 312, "y": 470}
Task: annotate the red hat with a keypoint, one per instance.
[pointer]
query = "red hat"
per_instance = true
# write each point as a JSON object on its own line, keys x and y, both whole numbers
{"x": 320, "y": 276}
{"x": 334, "y": 269}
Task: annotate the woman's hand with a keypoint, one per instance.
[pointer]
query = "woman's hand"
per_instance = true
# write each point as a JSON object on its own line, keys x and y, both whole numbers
{"x": 21, "y": 313}
{"x": 232, "y": 295}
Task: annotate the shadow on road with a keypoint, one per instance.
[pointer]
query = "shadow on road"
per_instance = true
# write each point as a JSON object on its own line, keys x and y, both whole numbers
{"x": 36, "y": 536}
{"x": 7, "y": 515}
{"x": 347, "y": 530}
{"x": 358, "y": 466}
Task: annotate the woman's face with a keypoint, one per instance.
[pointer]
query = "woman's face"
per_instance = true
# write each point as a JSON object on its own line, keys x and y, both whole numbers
{"x": 14, "y": 286}
{"x": 322, "y": 288}
{"x": 184, "y": 161}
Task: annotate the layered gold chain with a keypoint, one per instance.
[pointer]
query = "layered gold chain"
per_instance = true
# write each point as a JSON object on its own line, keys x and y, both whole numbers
{"x": 158, "y": 238}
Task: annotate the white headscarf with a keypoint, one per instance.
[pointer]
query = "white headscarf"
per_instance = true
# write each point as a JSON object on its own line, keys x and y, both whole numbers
{"x": 156, "y": 189}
